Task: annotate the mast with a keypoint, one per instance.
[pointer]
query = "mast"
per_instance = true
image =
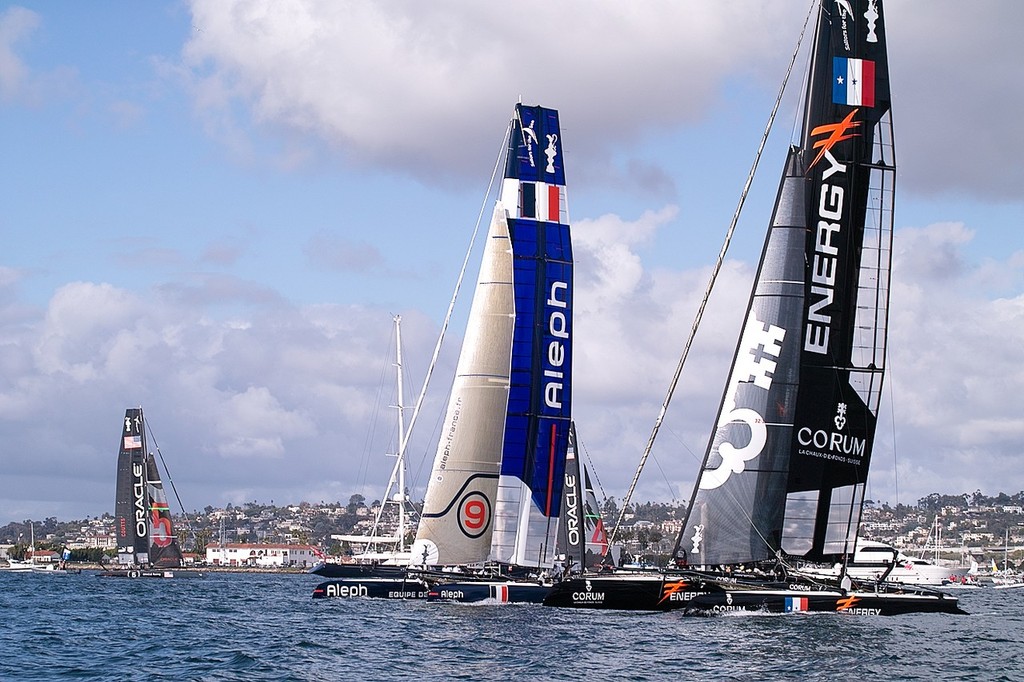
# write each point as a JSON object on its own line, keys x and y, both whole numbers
{"x": 786, "y": 467}
{"x": 400, "y": 497}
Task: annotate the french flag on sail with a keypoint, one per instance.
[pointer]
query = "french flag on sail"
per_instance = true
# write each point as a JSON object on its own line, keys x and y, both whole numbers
{"x": 853, "y": 82}
{"x": 796, "y": 604}
{"x": 540, "y": 201}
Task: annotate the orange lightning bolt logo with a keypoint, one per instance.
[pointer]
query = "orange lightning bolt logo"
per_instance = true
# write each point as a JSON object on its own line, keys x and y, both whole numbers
{"x": 837, "y": 132}
{"x": 846, "y": 603}
{"x": 671, "y": 587}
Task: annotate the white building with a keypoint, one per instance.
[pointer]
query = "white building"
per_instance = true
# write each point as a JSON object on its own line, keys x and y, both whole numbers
{"x": 263, "y": 556}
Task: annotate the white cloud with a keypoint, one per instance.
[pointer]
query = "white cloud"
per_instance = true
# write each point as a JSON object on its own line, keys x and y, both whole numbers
{"x": 16, "y": 24}
{"x": 233, "y": 400}
{"x": 419, "y": 86}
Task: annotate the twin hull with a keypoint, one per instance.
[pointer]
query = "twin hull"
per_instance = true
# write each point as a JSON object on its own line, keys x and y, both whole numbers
{"x": 694, "y": 593}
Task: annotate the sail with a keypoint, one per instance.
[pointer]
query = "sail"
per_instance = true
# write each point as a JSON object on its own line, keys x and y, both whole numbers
{"x": 457, "y": 519}
{"x": 788, "y": 461}
{"x": 131, "y": 504}
{"x": 572, "y": 540}
{"x": 164, "y": 550}
{"x": 495, "y": 486}
{"x": 142, "y": 517}
{"x": 596, "y": 549}
{"x": 581, "y": 534}
{"x": 540, "y": 391}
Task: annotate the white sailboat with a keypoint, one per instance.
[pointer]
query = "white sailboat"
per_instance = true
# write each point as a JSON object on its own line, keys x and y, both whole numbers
{"x": 379, "y": 570}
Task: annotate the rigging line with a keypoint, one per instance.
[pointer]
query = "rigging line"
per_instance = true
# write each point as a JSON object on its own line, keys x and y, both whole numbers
{"x": 364, "y": 466}
{"x": 458, "y": 286}
{"x": 711, "y": 284}
{"x": 593, "y": 470}
{"x": 892, "y": 409}
{"x": 174, "y": 489}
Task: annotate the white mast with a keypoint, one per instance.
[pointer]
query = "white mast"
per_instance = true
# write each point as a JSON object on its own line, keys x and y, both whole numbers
{"x": 400, "y": 496}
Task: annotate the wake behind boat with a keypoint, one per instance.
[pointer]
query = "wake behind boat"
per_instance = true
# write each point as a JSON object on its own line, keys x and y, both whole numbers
{"x": 783, "y": 478}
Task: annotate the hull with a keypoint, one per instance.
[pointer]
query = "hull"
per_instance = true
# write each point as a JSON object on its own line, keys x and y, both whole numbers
{"x": 333, "y": 570}
{"x": 830, "y": 601}
{"x": 372, "y": 588}
{"x": 628, "y": 592}
{"x": 701, "y": 594}
{"x": 136, "y": 573}
{"x": 1009, "y": 586}
{"x": 502, "y": 592}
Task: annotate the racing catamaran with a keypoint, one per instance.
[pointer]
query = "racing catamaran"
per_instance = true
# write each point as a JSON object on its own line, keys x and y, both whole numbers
{"x": 783, "y": 477}
{"x": 146, "y": 544}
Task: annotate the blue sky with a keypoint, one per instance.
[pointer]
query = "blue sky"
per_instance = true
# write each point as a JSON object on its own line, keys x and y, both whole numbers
{"x": 214, "y": 208}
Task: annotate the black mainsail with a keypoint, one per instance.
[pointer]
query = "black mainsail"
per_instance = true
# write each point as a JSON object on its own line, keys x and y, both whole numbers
{"x": 787, "y": 463}
{"x": 142, "y": 517}
{"x": 783, "y": 476}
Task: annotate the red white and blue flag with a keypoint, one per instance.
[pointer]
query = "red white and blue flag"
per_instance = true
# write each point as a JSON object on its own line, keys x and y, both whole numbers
{"x": 540, "y": 201}
{"x": 853, "y": 82}
{"x": 132, "y": 442}
{"x": 796, "y": 604}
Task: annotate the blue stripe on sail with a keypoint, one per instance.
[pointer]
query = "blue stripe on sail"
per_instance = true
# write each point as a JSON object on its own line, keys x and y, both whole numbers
{"x": 529, "y": 200}
{"x": 535, "y": 147}
{"x": 540, "y": 391}
{"x": 840, "y": 80}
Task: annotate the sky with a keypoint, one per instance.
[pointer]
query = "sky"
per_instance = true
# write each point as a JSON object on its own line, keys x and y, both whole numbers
{"x": 215, "y": 208}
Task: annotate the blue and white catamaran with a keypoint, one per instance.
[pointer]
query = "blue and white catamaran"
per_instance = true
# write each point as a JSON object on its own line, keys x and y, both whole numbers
{"x": 495, "y": 490}
{"x": 493, "y": 500}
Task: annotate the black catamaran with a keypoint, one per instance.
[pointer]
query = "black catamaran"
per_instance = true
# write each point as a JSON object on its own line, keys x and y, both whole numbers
{"x": 783, "y": 477}
{"x": 146, "y": 544}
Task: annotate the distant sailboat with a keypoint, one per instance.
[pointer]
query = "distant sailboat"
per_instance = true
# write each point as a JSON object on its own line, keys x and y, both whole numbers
{"x": 146, "y": 544}
{"x": 784, "y": 474}
{"x": 582, "y": 539}
{"x": 32, "y": 564}
{"x": 380, "y": 570}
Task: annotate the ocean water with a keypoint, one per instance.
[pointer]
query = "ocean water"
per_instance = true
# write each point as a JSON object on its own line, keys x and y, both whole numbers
{"x": 266, "y": 627}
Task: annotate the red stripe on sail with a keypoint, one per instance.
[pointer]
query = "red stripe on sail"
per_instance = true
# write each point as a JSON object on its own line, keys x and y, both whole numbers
{"x": 867, "y": 80}
{"x": 551, "y": 471}
{"x": 553, "y": 203}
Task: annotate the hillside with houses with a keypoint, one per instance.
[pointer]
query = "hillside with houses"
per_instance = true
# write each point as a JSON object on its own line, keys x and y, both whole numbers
{"x": 953, "y": 527}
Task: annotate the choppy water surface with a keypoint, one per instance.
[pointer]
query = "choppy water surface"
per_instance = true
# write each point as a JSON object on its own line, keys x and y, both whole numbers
{"x": 266, "y": 627}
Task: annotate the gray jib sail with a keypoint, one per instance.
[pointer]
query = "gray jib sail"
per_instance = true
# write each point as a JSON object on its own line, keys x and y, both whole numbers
{"x": 786, "y": 467}
{"x": 457, "y": 520}
{"x": 164, "y": 550}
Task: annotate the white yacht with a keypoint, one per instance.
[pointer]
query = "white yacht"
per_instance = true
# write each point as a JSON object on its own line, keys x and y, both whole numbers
{"x": 871, "y": 559}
